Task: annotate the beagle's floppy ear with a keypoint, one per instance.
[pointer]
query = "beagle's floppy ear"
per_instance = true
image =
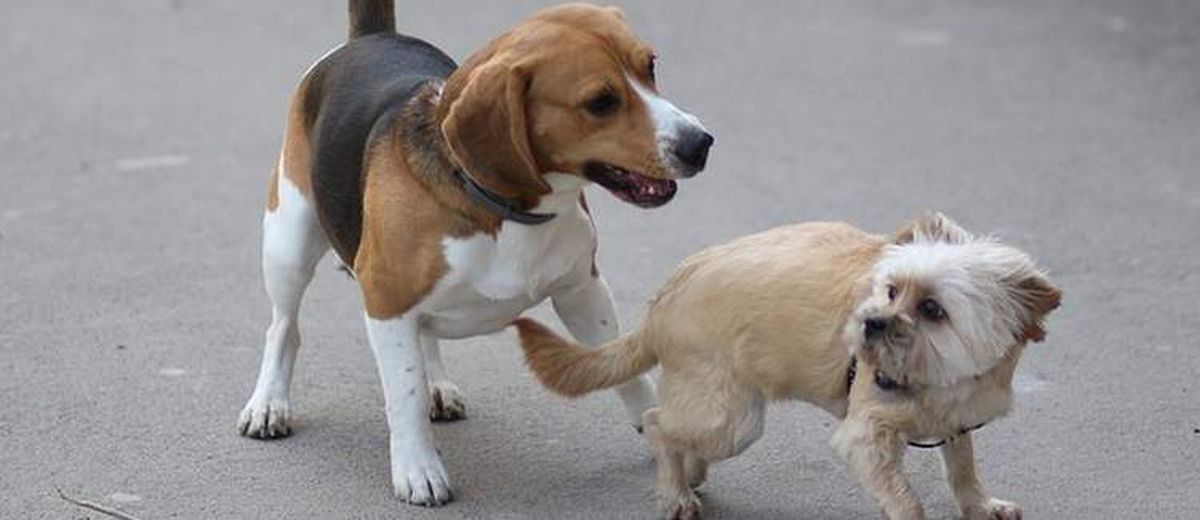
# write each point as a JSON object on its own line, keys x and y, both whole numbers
{"x": 486, "y": 130}
{"x": 933, "y": 226}
{"x": 1038, "y": 297}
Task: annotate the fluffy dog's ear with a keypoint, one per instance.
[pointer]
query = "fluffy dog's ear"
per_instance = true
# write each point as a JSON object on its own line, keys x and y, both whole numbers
{"x": 933, "y": 227}
{"x": 486, "y": 130}
{"x": 1035, "y": 294}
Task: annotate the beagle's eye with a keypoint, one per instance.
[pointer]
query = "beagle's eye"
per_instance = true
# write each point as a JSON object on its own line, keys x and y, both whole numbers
{"x": 892, "y": 293}
{"x": 931, "y": 310}
{"x": 603, "y": 105}
{"x": 650, "y": 68}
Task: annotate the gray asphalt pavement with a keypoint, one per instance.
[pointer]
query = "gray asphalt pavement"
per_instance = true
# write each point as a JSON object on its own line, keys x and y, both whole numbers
{"x": 136, "y": 137}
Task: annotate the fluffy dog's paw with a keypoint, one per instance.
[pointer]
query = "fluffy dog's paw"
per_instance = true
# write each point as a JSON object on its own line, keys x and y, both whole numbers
{"x": 421, "y": 481}
{"x": 995, "y": 509}
{"x": 683, "y": 507}
{"x": 446, "y": 402}
{"x": 265, "y": 419}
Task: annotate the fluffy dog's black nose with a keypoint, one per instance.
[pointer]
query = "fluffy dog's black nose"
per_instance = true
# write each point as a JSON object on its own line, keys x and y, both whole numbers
{"x": 692, "y": 148}
{"x": 874, "y": 326}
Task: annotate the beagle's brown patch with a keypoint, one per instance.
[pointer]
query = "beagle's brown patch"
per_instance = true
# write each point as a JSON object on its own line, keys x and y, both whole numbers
{"x": 273, "y": 190}
{"x": 412, "y": 202}
{"x": 297, "y": 152}
{"x": 399, "y": 258}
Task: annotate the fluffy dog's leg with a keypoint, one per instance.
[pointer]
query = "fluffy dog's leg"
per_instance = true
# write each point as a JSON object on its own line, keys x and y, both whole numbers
{"x": 292, "y": 245}
{"x": 417, "y": 471}
{"x": 959, "y": 457}
{"x": 446, "y": 400}
{"x": 876, "y": 456}
{"x": 589, "y": 313}
{"x": 696, "y": 470}
{"x": 675, "y": 497}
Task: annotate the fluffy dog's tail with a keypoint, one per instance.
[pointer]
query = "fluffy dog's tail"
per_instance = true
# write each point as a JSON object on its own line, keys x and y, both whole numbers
{"x": 572, "y": 370}
{"x": 370, "y": 17}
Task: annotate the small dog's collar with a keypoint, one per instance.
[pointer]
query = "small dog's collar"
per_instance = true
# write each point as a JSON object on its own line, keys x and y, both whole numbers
{"x": 938, "y": 444}
{"x": 888, "y": 384}
{"x": 495, "y": 203}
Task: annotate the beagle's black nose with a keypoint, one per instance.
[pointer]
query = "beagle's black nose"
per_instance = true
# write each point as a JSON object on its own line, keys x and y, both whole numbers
{"x": 692, "y": 149}
{"x": 873, "y": 327}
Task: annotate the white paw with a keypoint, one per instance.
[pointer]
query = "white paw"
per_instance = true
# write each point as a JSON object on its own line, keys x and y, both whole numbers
{"x": 446, "y": 402}
{"x": 681, "y": 507}
{"x": 995, "y": 509}
{"x": 265, "y": 418}
{"x": 421, "y": 479}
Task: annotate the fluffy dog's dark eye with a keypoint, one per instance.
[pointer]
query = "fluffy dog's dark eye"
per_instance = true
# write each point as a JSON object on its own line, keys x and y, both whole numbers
{"x": 892, "y": 293}
{"x": 650, "y": 68}
{"x": 931, "y": 310}
{"x": 603, "y": 105}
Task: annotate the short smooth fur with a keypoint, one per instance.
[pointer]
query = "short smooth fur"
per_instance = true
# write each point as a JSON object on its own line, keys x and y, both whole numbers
{"x": 395, "y": 157}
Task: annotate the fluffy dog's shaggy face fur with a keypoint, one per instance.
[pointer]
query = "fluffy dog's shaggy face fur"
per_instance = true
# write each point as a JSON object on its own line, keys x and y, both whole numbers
{"x": 945, "y": 305}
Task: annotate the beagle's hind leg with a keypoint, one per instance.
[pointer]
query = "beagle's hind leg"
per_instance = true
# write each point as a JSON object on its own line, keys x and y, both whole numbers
{"x": 446, "y": 401}
{"x": 293, "y": 243}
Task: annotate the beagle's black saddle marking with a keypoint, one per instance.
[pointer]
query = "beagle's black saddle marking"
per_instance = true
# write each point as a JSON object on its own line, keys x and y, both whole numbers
{"x": 354, "y": 97}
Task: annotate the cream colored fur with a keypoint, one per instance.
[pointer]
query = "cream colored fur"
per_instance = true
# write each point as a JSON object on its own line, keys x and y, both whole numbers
{"x": 780, "y": 315}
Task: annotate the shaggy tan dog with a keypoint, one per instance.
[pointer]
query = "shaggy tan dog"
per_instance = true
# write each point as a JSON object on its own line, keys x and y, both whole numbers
{"x": 911, "y": 339}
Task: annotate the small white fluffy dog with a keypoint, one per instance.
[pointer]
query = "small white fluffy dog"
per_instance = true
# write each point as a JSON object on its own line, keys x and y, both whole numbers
{"x": 911, "y": 339}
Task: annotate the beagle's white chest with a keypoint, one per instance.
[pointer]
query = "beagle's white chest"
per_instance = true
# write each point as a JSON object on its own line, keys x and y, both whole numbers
{"x": 491, "y": 280}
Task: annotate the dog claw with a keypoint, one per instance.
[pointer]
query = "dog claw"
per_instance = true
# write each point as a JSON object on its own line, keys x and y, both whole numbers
{"x": 422, "y": 483}
{"x": 265, "y": 420}
{"x": 685, "y": 507}
{"x": 996, "y": 509}
{"x": 446, "y": 402}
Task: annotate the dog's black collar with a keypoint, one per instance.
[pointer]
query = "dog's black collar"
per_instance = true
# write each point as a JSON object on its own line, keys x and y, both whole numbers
{"x": 888, "y": 384}
{"x": 938, "y": 444}
{"x": 495, "y": 203}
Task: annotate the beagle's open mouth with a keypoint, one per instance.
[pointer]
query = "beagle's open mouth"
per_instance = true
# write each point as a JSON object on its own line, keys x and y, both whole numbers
{"x": 631, "y": 187}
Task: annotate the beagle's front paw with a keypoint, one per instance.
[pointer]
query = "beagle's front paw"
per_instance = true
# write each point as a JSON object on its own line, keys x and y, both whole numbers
{"x": 995, "y": 509}
{"x": 265, "y": 418}
{"x": 420, "y": 479}
{"x": 446, "y": 402}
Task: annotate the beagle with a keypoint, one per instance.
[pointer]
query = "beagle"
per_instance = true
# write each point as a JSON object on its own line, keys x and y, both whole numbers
{"x": 454, "y": 195}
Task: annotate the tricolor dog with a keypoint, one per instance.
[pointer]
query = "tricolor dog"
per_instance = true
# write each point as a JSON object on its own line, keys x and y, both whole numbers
{"x": 455, "y": 196}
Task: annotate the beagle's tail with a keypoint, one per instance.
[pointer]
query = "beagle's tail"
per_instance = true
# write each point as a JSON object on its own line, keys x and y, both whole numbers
{"x": 571, "y": 370}
{"x": 370, "y": 17}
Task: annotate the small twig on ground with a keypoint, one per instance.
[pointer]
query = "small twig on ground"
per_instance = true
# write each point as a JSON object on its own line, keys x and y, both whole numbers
{"x": 95, "y": 507}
